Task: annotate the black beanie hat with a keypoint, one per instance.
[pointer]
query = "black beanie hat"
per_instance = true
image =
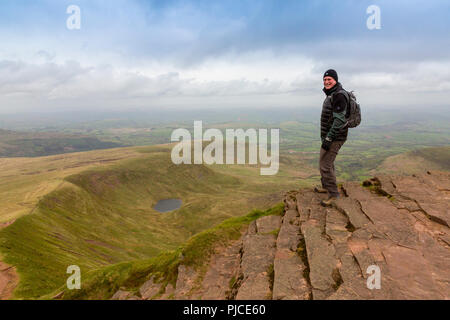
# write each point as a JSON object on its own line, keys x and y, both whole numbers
{"x": 331, "y": 73}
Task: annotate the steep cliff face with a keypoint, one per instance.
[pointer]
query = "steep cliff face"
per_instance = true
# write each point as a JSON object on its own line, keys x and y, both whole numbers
{"x": 394, "y": 227}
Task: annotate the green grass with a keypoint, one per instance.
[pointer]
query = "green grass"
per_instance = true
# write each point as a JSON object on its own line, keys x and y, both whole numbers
{"x": 438, "y": 155}
{"x": 103, "y": 283}
{"x": 104, "y": 216}
{"x": 26, "y": 144}
{"x": 376, "y": 188}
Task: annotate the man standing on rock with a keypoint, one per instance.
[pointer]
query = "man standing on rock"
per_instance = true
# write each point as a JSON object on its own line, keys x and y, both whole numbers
{"x": 333, "y": 132}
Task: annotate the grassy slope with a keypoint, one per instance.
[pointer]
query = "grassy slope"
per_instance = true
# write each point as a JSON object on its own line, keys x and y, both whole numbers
{"x": 103, "y": 216}
{"x": 104, "y": 282}
{"x": 23, "y": 181}
{"x": 434, "y": 158}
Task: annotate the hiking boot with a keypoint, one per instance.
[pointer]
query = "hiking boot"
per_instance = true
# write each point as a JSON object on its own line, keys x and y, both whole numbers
{"x": 319, "y": 189}
{"x": 329, "y": 202}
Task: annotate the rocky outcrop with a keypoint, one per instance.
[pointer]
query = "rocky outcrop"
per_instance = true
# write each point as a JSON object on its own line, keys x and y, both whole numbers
{"x": 394, "y": 227}
{"x": 289, "y": 281}
{"x": 149, "y": 289}
{"x": 223, "y": 268}
{"x": 256, "y": 265}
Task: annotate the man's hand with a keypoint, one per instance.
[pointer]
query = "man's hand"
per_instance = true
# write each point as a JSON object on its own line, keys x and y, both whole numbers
{"x": 326, "y": 144}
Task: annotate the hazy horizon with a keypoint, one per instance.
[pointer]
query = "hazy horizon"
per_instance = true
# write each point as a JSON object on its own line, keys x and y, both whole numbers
{"x": 144, "y": 118}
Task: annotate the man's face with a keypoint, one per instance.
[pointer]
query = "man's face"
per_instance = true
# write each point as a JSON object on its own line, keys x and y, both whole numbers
{"x": 328, "y": 82}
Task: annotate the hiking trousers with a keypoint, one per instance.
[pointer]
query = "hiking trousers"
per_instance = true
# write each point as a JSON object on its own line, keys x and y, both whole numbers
{"x": 326, "y": 167}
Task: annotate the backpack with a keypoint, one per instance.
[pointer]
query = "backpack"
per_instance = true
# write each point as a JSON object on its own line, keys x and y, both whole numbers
{"x": 353, "y": 113}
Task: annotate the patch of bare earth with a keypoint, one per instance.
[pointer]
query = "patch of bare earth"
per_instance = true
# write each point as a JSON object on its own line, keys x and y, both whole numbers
{"x": 8, "y": 275}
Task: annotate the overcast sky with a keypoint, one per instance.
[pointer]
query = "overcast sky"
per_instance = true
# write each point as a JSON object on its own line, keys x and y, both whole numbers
{"x": 144, "y": 54}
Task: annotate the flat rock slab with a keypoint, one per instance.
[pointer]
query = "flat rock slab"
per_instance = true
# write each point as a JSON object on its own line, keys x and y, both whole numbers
{"x": 289, "y": 235}
{"x": 289, "y": 270}
{"x": 124, "y": 295}
{"x": 149, "y": 289}
{"x": 411, "y": 275}
{"x": 354, "y": 190}
{"x": 389, "y": 221}
{"x": 258, "y": 253}
{"x": 268, "y": 224}
{"x": 352, "y": 209}
{"x": 222, "y": 268}
{"x": 185, "y": 282}
{"x": 255, "y": 287}
{"x": 428, "y": 191}
{"x": 321, "y": 258}
{"x": 289, "y": 280}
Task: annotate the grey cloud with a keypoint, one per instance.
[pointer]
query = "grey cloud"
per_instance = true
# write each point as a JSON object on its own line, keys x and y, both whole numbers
{"x": 18, "y": 77}
{"x": 48, "y": 85}
{"x": 45, "y": 56}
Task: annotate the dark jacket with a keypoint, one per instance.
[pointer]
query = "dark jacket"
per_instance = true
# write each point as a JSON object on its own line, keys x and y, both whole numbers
{"x": 333, "y": 120}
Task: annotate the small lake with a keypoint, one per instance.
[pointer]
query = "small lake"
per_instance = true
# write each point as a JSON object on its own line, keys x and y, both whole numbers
{"x": 167, "y": 205}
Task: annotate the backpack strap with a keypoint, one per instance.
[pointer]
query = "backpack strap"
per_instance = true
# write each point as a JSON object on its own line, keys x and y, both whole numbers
{"x": 346, "y": 95}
